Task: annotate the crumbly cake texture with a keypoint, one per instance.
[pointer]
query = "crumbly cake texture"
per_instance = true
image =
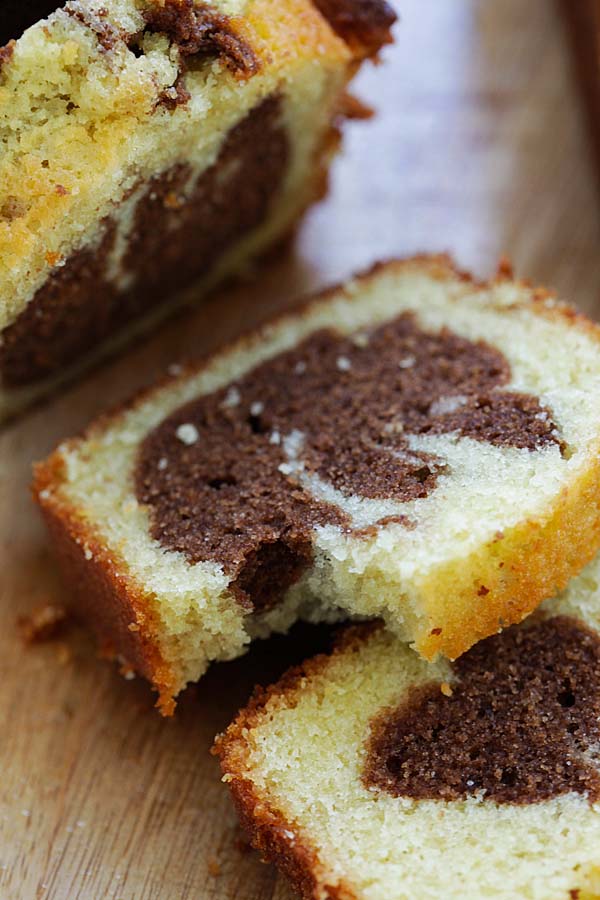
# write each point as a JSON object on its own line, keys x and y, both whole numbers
{"x": 414, "y": 446}
{"x": 370, "y": 774}
{"x": 128, "y": 125}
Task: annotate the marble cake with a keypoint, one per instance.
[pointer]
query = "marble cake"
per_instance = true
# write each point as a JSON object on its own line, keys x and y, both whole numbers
{"x": 151, "y": 148}
{"x": 369, "y": 774}
{"x": 414, "y": 446}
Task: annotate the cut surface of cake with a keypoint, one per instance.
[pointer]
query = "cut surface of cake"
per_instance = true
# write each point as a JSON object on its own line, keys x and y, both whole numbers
{"x": 150, "y": 149}
{"x": 414, "y": 446}
{"x": 370, "y": 774}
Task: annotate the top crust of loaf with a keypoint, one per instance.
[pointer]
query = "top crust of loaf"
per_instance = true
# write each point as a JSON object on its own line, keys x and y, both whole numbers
{"x": 513, "y": 585}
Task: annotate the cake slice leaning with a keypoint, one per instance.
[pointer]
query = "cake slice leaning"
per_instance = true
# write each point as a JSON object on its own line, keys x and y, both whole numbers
{"x": 414, "y": 446}
{"x": 370, "y": 774}
{"x": 151, "y": 149}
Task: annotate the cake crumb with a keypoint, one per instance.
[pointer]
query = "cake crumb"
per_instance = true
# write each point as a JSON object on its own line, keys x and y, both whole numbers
{"x": 360, "y": 339}
{"x": 12, "y": 208}
{"x": 407, "y": 363}
{"x": 173, "y": 201}
{"x": 352, "y": 107}
{"x": 64, "y": 654}
{"x": 187, "y": 434}
{"x": 52, "y": 259}
{"x": 214, "y": 869}
{"x": 446, "y": 689}
{"x": 44, "y": 623}
{"x": 232, "y": 398}
{"x": 127, "y": 671}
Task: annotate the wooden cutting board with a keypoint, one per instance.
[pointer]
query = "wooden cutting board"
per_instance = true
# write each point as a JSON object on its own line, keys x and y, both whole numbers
{"x": 480, "y": 148}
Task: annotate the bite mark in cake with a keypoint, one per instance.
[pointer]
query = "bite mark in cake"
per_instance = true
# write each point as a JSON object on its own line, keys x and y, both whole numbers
{"x": 339, "y": 409}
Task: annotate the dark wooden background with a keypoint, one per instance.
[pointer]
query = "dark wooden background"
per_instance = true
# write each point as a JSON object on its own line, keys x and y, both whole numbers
{"x": 480, "y": 148}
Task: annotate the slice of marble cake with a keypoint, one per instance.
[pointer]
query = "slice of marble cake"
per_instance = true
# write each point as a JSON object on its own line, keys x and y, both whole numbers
{"x": 414, "y": 446}
{"x": 370, "y": 774}
{"x": 151, "y": 149}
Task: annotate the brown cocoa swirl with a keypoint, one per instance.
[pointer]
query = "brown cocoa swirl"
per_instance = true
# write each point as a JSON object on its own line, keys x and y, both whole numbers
{"x": 170, "y": 246}
{"x": 195, "y": 28}
{"x": 521, "y": 725}
{"x": 231, "y": 495}
{"x": 199, "y": 31}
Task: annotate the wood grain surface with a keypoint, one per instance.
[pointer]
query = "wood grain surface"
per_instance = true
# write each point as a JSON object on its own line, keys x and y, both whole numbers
{"x": 480, "y": 148}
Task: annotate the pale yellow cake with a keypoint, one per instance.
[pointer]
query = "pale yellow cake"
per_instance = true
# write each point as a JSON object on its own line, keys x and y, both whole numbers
{"x": 148, "y": 150}
{"x": 370, "y": 774}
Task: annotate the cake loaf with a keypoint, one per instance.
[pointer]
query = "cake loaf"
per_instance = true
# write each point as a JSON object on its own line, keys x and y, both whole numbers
{"x": 372, "y": 775}
{"x": 151, "y": 148}
{"x": 413, "y": 446}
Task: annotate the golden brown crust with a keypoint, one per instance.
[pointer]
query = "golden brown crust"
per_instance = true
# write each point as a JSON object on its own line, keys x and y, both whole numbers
{"x": 277, "y": 839}
{"x": 296, "y": 858}
{"x": 111, "y": 603}
{"x": 517, "y": 570}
